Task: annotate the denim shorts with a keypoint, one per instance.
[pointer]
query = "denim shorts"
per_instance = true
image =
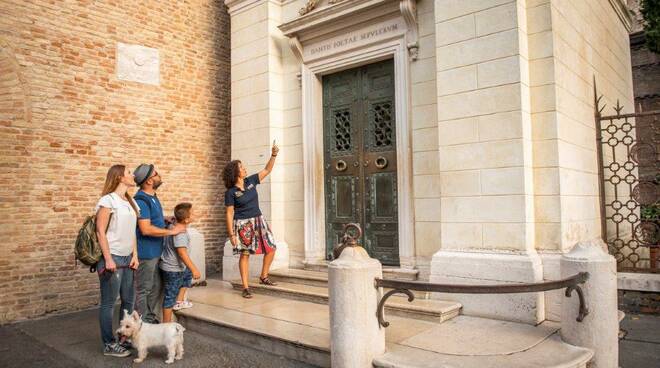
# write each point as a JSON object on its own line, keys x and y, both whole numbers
{"x": 173, "y": 282}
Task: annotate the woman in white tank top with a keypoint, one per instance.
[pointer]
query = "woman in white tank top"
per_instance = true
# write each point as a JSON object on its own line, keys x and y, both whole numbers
{"x": 116, "y": 219}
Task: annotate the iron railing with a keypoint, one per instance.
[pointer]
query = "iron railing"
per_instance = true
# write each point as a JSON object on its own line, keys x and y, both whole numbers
{"x": 405, "y": 287}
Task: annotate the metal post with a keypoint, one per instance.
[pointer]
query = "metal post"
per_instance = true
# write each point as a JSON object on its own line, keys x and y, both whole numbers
{"x": 601, "y": 168}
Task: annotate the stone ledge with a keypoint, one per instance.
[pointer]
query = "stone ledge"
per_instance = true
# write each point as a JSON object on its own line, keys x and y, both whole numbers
{"x": 638, "y": 281}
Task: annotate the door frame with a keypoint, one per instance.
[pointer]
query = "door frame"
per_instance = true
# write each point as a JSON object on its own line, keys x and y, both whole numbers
{"x": 312, "y": 124}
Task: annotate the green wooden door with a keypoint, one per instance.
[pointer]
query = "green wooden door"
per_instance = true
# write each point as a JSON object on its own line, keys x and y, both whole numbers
{"x": 360, "y": 158}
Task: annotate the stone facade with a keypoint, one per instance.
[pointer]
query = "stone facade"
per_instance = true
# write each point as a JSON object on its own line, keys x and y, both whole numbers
{"x": 65, "y": 118}
{"x": 497, "y": 147}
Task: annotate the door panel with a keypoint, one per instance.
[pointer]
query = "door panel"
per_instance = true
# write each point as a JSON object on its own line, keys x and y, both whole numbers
{"x": 379, "y": 163}
{"x": 341, "y": 113}
{"x": 343, "y": 198}
{"x": 360, "y": 158}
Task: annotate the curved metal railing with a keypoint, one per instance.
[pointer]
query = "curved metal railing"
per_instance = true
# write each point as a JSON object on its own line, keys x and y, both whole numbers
{"x": 404, "y": 287}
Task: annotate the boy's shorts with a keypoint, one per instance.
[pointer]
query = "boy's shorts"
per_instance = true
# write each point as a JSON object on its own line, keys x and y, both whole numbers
{"x": 173, "y": 282}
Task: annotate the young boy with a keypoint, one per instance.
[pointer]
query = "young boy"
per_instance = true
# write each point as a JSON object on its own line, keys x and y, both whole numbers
{"x": 177, "y": 267}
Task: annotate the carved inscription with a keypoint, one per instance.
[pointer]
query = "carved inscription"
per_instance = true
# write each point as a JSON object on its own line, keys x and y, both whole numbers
{"x": 353, "y": 39}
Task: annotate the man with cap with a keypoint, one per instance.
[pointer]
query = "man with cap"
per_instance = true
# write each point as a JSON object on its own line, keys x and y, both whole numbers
{"x": 150, "y": 233}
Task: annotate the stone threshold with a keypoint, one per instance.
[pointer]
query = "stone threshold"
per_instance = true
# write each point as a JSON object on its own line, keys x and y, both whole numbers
{"x": 389, "y": 272}
{"x": 320, "y": 278}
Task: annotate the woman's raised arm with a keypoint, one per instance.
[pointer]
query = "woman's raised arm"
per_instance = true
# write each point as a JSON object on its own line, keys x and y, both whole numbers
{"x": 271, "y": 162}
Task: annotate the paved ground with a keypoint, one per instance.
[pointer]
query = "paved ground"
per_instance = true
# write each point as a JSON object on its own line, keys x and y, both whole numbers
{"x": 640, "y": 347}
{"x": 73, "y": 340}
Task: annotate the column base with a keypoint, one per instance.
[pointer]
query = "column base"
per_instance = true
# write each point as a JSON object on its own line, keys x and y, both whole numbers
{"x": 230, "y": 262}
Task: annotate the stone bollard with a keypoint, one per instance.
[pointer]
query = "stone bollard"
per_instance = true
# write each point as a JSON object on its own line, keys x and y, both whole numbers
{"x": 355, "y": 336}
{"x": 198, "y": 252}
{"x": 599, "y": 329}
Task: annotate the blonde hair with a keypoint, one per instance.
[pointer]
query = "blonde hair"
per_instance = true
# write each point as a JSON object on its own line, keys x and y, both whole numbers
{"x": 112, "y": 180}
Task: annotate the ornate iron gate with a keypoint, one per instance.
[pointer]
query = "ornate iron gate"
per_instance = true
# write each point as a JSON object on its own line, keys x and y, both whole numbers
{"x": 628, "y": 148}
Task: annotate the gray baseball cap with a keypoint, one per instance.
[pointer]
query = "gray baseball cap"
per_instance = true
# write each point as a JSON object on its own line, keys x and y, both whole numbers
{"x": 142, "y": 173}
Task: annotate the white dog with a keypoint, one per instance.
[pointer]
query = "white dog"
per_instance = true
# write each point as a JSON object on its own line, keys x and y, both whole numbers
{"x": 147, "y": 335}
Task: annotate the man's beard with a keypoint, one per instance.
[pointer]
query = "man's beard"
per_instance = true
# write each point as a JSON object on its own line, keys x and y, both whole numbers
{"x": 157, "y": 184}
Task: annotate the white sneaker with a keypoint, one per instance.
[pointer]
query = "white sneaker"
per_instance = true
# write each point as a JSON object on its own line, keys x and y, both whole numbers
{"x": 186, "y": 304}
{"x": 182, "y": 305}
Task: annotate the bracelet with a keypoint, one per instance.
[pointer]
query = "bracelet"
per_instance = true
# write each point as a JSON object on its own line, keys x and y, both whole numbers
{"x": 273, "y": 155}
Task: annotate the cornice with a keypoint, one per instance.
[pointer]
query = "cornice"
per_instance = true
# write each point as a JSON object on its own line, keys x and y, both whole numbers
{"x": 239, "y": 6}
{"x": 622, "y": 11}
{"x": 327, "y": 14}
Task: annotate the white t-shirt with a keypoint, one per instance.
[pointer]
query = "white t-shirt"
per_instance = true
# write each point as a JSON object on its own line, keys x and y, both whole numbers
{"x": 121, "y": 230}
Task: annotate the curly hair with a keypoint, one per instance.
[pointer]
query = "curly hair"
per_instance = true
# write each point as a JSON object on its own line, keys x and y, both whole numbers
{"x": 230, "y": 173}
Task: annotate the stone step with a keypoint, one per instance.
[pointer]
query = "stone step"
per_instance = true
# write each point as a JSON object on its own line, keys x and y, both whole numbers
{"x": 300, "y": 276}
{"x": 425, "y": 309}
{"x": 473, "y": 342}
{"x": 284, "y": 338}
{"x": 389, "y": 272}
{"x": 317, "y": 278}
{"x": 550, "y": 353}
{"x": 300, "y": 330}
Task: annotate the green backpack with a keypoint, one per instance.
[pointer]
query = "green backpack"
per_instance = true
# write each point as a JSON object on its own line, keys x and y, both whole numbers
{"x": 87, "y": 249}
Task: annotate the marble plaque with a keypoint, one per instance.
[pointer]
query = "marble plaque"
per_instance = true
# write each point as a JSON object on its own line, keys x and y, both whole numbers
{"x": 138, "y": 64}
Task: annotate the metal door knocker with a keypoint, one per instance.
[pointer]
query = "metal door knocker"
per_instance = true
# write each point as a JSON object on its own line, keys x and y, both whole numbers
{"x": 347, "y": 240}
{"x": 381, "y": 162}
{"x": 341, "y": 165}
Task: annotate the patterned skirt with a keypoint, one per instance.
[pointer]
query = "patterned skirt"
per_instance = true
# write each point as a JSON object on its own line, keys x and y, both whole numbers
{"x": 254, "y": 236}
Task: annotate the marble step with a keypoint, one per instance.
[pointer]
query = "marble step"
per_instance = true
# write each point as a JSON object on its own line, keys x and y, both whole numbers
{"x": 300, "y": 330}
{"x": 279, "y": 326}
{"x": 424, "y": 309}
{"x": 317, "y": 278}
{"x": 299, "y": 276}
{"x": 550, "y": 353}
{"x": 389, "y": 272}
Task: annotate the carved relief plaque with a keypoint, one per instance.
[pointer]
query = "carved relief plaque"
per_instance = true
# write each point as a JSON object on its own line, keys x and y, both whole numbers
{"x": 138, "y": 64}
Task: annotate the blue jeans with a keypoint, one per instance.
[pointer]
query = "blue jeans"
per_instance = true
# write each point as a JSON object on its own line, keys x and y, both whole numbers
{"x": 113, "y": 285}
{"x": 149, "y": 290}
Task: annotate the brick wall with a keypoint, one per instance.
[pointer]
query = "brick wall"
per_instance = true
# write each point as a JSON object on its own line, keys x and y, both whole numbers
{"x": 65, "y": 119}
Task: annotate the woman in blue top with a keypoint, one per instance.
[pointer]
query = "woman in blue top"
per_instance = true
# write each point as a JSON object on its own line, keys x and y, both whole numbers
{"x": 248, "y": 230}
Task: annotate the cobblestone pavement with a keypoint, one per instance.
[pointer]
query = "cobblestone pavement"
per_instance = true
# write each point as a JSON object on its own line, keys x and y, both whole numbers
{"x": 73, "y": 340}
{"x": 640, "y": 346}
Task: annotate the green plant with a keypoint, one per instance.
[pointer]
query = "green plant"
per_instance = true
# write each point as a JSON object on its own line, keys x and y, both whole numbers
{"x": 650, "y": 10}
{"x": 651, "y": 212}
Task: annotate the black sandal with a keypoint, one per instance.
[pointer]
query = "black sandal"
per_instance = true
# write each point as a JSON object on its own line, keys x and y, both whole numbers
{"x": 266, "y": 281}
{"x": 247, "y": 294}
